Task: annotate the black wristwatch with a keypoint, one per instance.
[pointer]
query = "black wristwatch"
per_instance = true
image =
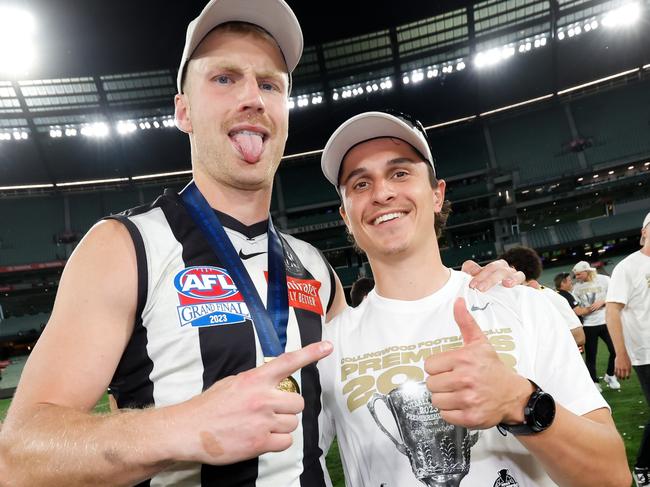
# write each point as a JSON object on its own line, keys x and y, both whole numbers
{"x": 538, "y": 414}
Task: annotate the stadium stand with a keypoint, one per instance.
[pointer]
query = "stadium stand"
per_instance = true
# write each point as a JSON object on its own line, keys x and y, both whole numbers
{"x": 618, "y": 121}
{"x": 531, "y": 144}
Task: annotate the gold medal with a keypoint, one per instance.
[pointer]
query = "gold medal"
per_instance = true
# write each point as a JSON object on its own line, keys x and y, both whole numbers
{"x": 288, "y": 384}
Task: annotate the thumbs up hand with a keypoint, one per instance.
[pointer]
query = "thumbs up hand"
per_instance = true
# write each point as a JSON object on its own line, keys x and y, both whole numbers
{"x": 470, "y": 385}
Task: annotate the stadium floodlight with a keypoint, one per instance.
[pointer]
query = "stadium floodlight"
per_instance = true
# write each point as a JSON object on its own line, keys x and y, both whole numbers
{"x": 98, "y": 129}
{"x": 389, "y": 83}
{"x": 610, "y": 172}
{"x": 156, "y": 124}
{"x": 368, "y": 89}
{"x": 70, "y": 132}
{"x": 17, "y": 51}
{"x": 335, "y": 96}
{"x": 625, "y": 15}
{"x": 578, "y": 30}
{"x": 375, "y": 87}
{"x": 460, "y": 66}
{"x": 494, "y": 56}
{"x": 629, "y": 168}
{"x": 594, "y": 24}
{"x": 406, "y": 80}
{"x": 126, "y": 127}
{"x": 595, "y": 176}
{"x": 571, "y": 32}
{"x": 417, "y": 76}
{"x": 291, "y": 104}
{"x": 560, "y": 35}
{"x": 581, "y": 180}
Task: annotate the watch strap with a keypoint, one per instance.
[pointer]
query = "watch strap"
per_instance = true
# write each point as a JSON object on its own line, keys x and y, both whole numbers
{"x": 529, "y": 426}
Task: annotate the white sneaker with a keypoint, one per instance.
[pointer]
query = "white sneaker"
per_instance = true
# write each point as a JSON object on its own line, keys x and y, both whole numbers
{"x": 600, "y": 389}
{"x": 612, "y": 382}
{"x": 641, "y": 477}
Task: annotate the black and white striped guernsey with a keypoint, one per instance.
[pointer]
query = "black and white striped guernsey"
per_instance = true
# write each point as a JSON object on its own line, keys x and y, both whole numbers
{"x": 192, "y": 329}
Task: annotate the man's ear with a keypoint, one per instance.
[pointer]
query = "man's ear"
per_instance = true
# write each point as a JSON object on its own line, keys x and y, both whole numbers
{"x": 439, "y": 195}
{"x": 344, "y": 215}
{"x": 182, "y": 113}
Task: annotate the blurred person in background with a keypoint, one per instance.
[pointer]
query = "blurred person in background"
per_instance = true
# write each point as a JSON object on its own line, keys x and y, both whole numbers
{"x": 628, "y": 322}
{"x": 526, "y": 260}
{"x": 360, "y": 289}
{"x": 590, "y": 289}
{"x": 564, "y": 285}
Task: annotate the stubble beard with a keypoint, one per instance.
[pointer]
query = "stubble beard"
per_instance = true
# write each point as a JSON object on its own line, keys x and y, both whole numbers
{"x": 224, "y": 166}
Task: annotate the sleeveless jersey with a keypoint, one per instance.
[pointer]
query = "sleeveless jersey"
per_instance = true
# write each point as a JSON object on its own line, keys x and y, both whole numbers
{"x": 193, "y": 328}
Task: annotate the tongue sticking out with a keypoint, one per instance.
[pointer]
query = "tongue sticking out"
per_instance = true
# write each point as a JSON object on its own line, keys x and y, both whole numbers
{"x": 249, "y": 146}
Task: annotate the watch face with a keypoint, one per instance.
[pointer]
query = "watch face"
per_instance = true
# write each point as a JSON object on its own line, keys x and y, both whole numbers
{"x": 543, "y": 411}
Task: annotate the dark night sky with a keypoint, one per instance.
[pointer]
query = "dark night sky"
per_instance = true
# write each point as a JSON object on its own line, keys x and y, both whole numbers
{"x": 84, "y": 37}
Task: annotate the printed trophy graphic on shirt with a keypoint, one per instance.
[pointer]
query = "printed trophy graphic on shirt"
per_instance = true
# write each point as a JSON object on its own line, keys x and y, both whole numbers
{"x": 439, "y": 452}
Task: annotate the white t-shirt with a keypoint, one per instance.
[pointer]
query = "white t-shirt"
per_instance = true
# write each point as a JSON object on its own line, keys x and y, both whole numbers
{"x": 587, "y": 293}
{"x": 630, "y": 285}
{"x": 383, "y": 342}
{"x": 562, "y": 306}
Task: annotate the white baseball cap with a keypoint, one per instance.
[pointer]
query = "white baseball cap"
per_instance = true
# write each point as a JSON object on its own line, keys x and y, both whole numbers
{"x": 582, "y": 266}
{"x": 274, "y": 16}
{"x": 367, "y": 126}
{"x": 646, "y": 220}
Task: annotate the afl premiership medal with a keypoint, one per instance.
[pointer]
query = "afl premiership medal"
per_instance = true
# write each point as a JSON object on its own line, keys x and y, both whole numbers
{"x": 288, "y": 384}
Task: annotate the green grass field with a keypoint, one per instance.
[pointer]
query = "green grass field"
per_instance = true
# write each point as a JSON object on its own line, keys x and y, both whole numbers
{"x": 628, "y": 408}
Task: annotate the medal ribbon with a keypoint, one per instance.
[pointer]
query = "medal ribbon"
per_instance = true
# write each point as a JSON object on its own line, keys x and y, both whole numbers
{"x": 270, "y": 322}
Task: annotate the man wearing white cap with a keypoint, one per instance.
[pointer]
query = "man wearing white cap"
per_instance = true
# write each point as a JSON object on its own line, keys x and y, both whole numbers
{"x": 590, "y": 289}
{"x": 628, "y": 321}
{"x": 178, "y": 304}
{"x": 511, "y": 362}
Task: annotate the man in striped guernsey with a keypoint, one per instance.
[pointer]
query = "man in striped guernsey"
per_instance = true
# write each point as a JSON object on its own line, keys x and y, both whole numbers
{"x": 147, "y": 304}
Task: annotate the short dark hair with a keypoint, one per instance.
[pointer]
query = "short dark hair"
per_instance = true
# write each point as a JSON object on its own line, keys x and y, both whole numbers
{"x": 360, "y": 289}
{"x": 524, "y": 259}
{"x": 557, "y": 280}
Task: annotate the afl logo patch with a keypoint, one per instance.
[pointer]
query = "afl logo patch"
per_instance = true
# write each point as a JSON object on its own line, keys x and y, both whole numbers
{"x": 205, "y": 283}
{"x": 208, "y": 297}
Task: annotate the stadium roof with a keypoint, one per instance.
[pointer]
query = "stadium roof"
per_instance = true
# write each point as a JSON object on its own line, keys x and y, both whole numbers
{"x": 102, "y": 63}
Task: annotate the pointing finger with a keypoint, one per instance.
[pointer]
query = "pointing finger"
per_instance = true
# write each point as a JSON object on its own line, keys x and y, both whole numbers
{"x": 287, "y": 363}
